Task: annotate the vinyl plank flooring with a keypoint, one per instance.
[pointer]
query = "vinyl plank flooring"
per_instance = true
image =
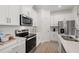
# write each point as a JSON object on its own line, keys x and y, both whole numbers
{"x": 47, "y": 47}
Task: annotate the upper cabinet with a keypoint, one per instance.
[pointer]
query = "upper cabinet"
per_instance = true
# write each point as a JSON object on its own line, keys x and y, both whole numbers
{"x": 62, "y": 15}
{"x": 9, "y": 15}
{"x": 14, "y": 12}
{"x": 3, "y": 15}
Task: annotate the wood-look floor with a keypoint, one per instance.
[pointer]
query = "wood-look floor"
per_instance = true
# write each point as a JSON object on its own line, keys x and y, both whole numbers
{"x": 47, "y": 47}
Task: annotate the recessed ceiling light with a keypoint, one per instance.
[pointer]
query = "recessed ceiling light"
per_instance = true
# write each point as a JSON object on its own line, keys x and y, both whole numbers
{"x": 59, "y": 6}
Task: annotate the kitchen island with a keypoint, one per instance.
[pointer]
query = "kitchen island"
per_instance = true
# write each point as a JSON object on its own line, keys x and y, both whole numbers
{"x": 69, "y": 46}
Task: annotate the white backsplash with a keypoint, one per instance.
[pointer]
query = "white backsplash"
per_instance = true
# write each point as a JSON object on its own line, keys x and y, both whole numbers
{"x": 11, "y": 29}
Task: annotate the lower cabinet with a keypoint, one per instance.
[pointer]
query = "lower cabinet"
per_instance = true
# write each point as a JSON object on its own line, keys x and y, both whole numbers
{"x": 61, "y": 48}
{"x": 19, "y": 49}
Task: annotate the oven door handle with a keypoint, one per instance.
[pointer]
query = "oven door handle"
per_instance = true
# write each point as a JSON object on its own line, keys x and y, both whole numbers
{"x": 30, "y": 37}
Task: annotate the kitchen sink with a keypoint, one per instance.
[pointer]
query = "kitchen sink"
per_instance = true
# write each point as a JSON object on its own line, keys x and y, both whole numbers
{"x": 69, "y": 38}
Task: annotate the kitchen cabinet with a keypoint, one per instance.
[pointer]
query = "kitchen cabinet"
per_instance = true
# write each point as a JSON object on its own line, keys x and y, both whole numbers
{"x": 53, "y": 20}
{"x": 20, "y": 45}
{"x": 54, "y": 36}
{"x": 3, "y": 15}
{"x": 9, "y": 15}
{"x": 13, "y": 15}
{"x": 63, "y": 15}
{"x": 19, "y": 48}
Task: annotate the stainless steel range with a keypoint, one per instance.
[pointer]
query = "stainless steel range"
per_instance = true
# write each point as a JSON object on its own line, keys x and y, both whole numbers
{"x": 30, "y": 39}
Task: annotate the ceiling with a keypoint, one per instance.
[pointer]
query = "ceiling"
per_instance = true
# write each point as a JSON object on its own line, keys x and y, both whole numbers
{"x": 54, "y": 7}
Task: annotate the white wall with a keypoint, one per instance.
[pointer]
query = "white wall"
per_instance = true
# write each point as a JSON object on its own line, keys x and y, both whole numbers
{"x": 43, "y": 26}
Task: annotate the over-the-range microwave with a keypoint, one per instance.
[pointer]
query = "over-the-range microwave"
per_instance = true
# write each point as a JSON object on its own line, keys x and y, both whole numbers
{"x": 25, "y": 20}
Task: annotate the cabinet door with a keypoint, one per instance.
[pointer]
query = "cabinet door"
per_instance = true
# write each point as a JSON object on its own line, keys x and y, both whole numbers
{"x": 19, "y": 48}
{"x": 14, "y": 14}
{"x": 3, "y": 14}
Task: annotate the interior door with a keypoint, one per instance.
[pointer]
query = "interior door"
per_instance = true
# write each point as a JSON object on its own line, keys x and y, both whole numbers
{"x": 44, "y": 26}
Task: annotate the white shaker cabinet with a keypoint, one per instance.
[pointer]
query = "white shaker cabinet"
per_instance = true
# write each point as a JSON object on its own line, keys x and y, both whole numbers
{"x": 19, "y": 48}
{"x": 3, "y": 14}
{"x": 20, "y": 45}
{"x": 9, "y": 15}
{"x": 14, "y": 12}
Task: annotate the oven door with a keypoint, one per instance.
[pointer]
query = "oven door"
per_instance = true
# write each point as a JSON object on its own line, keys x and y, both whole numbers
{"x": 30, "y": 44}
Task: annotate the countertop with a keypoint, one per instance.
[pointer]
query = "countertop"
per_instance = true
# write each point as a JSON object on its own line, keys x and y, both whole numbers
{"x": 12, "y": 43}
{"x": 8, "y": 43}
{"x": 69, "y": 46}
{"x": 30, "y": 35}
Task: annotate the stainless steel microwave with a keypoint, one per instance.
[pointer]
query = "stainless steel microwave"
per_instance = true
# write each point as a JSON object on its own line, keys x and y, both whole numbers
{"x": 25, "y": 20}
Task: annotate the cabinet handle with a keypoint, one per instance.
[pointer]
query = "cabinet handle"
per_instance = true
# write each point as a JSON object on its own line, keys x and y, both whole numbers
{"x": 8, "y": 20}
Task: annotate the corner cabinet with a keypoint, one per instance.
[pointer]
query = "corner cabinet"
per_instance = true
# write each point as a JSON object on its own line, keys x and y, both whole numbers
{"x": 3, "y": 15}
{"x": 9, "y": 15}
